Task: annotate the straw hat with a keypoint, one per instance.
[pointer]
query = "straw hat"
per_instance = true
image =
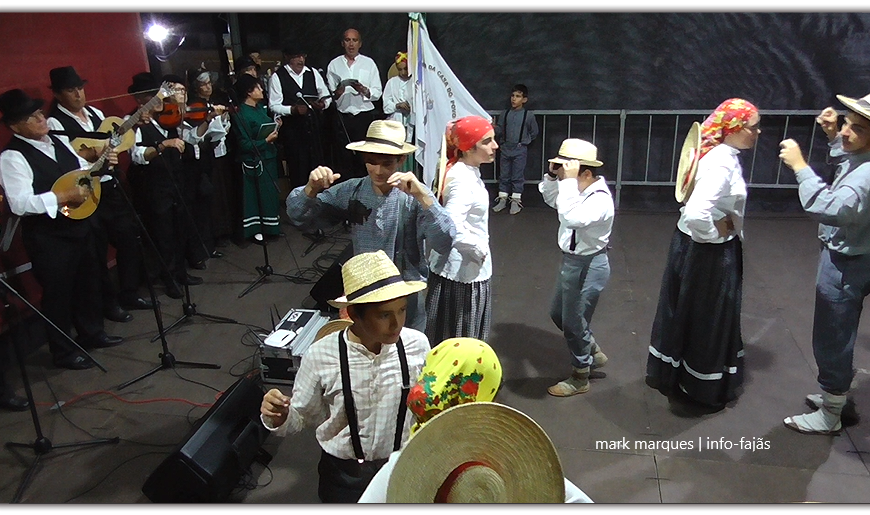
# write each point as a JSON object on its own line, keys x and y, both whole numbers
{"x": 339, "y": 324}
{"x": 860, "y": 106}
{"x": 372, "y": 277}
{"x": 384, "y": 137}
{"x": 583, "y": 151}
{"x": 688, "y": 165}
{"x": 481, "y": 452}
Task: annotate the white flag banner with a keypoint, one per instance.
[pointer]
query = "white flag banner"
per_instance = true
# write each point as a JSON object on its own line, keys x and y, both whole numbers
{"x": 439, "y": 96}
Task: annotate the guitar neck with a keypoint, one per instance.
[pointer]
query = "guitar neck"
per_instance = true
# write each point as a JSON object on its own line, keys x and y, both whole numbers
{"x": 134, "y": 118}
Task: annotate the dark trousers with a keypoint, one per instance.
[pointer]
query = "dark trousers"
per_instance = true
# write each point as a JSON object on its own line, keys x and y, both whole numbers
{"x": 67, "y": 270}
{"x": 347, "y": 161}
{"x": 114, "y": 222}
{"x": 302, "y": 140}
{"x": 344, "y": 481}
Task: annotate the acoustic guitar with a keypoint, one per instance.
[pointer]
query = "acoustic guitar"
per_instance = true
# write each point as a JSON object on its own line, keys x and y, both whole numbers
{"x": 119, "y": 134}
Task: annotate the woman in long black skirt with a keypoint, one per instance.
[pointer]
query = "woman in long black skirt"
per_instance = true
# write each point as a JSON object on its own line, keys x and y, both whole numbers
{"x": 696, "y": 347}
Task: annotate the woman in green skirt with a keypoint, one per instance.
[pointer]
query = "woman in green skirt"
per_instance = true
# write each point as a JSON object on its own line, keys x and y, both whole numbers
{"x": 259, "y": 160}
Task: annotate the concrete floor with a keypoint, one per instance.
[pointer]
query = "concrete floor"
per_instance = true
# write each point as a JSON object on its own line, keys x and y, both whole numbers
{"x": 780, "y": 263}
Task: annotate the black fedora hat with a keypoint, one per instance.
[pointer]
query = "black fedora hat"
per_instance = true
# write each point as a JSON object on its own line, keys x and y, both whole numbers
{"x": 65, "y": 77}
{"x": 17, "y": 105}
{"x": 144, "y": 82}
{"x": 293, "y": 49}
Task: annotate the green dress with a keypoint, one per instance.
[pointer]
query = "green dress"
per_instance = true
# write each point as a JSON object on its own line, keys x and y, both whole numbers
{"x": 259, "y": 161}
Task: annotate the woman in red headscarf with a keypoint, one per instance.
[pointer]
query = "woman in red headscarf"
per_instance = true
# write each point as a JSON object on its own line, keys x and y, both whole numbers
{"x": 458, "y": 298}
{"x": 696, "y": 349}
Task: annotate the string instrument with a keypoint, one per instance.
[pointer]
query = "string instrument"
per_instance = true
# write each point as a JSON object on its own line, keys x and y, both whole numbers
{"x": 120, "y": 136}
{"x": 194, "y": 113}
{"x": 90, "y": 178}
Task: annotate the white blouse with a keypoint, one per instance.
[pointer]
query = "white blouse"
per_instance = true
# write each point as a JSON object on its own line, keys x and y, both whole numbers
{"x": 719, "y": 191}
{"x": 466, "y": 201}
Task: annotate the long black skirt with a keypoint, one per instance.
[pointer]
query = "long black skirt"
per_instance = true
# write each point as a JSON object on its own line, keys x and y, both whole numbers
{"x": 696, "y": 345}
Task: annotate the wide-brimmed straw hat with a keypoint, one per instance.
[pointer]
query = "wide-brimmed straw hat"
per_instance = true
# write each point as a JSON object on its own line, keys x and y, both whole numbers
{"x": 688, "y": 165}
{"x": 372, "y": 277}
{"x": 384, "y": 137}
{"x": 583, "y": 151}
{"x": 479, "y": 452}
{"x": 860, "y": 105}
{"x": 339, "y": 324}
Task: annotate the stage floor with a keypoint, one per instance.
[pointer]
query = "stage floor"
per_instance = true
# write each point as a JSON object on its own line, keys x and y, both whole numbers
{"x": 780, "y": 255}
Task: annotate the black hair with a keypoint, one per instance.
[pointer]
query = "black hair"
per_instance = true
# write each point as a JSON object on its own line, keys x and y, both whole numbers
{"x": 521, "y": 88}
{"x": 244, "y": 85}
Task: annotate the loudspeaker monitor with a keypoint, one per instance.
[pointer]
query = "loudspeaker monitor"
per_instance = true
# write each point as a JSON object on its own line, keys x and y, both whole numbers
{"x": 209, "y": 463}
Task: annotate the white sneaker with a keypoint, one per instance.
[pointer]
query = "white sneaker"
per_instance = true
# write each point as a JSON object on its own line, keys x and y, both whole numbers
{"x": 516, "y": 206}
{"x": 500, "y": 204}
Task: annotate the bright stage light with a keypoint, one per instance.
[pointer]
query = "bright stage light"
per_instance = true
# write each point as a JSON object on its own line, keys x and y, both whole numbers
{"x": 156, "y": 33}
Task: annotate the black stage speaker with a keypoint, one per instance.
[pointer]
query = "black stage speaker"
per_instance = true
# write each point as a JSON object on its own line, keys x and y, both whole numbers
{"x": 212, "y": 458}
{"x": 330, "y": 285}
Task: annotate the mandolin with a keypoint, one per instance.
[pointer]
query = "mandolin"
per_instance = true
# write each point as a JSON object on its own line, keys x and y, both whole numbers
{"x": 90, "y": 178}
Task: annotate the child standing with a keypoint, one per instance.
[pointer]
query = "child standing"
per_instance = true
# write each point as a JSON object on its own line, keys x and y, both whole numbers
{"x": 515, "y": 130}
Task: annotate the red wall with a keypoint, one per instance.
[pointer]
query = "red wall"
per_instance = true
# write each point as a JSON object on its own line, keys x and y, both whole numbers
{"x": 106, "y": 49}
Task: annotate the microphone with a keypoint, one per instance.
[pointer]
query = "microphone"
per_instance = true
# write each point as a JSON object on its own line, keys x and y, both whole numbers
{"x": 300, "y": 95}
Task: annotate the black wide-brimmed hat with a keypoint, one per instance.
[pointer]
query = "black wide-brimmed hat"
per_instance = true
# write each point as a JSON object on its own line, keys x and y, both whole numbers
{"x": 65, "y": 77}
{"x": 243, "y": 63}
{"x": 293, "y": 49}
{"x": 144, "y": 82}
{"x": 17, "y": 105}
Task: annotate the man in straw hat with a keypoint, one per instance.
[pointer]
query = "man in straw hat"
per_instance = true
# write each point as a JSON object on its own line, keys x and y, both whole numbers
{"x": 843, "y": 278}
{"x": 388, "y": 210}
{"x": 353, "y": 384}
{"x": 464, "y": 447}
{"x": 585, "y": 208}
{"x": 60, "y": 248}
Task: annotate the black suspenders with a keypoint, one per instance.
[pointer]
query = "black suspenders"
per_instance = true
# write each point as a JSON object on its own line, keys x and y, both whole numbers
{"x": 350, "y": 406}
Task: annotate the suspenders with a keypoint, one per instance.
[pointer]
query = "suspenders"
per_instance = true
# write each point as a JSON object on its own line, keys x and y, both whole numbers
{"x": 574, "y": 231}
{"x": 350, "y": 405}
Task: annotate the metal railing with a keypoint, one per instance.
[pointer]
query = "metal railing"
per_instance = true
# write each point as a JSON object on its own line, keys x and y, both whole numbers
{"x": 645, "y": 145}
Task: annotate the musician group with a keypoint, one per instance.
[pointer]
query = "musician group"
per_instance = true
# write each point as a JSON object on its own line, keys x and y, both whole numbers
{"x": 59, "y": 175}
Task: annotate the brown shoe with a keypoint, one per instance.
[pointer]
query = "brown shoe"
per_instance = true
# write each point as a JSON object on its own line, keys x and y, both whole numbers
{"x": 577, "y": 383}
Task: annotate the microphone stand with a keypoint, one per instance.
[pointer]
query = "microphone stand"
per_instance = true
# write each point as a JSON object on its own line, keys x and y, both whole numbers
{"x": 167, "y": 360}
{"x": 42, "y": 445}
{"x": 266, "y": 270}
{"x": 188, "y": 308}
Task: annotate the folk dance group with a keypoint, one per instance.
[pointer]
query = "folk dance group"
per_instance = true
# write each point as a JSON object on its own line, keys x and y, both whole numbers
{"x": 402, "y": 352}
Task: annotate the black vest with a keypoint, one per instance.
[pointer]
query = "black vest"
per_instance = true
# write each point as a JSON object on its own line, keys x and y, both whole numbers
{"x": 289, "y": 87}
{"x": 45, "y": 172}
{"x": 72, "y": 125}
{"x": 170, "y": 160}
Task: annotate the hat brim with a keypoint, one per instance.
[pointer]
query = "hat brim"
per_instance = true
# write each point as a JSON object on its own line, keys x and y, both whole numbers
{"x": 380, "y": 148}
{"x": 61, "y": 87}
{"x": 339, "y": 324}
{"x": 507, "y": 440}
{"x": 388, "y": 292}
{"x": 688, "y": 164}
{"x": 583, "y": 162}
{"x": 856, "y": 105}
{"x": 35, "y": 104}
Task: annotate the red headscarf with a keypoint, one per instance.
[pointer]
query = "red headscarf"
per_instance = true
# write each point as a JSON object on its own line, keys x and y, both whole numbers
{"x": 463, "y": 134}
{"x": 730, "y": 117}
{"x": 401, "y": 57}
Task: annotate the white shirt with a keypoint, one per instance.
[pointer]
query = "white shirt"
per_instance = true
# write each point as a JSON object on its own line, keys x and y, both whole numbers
{"x": 188, "y": 135}
{"x": 364, "y": 70}
{"x": 587, "y": 215}
{"x": 376, "y": 380}
{"x": 86, "y": 124}
{"x": 396, "y": 91}
{"x": 376, "y": 492}
{"x": 16, "y": 177}
{"x": 719, "y": 191}
{"x": 276, "y": 95}
{"x": 467, "y": 204}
